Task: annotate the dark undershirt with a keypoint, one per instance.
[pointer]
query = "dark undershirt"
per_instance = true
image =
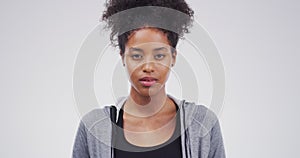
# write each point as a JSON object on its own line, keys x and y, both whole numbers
{"x": 170, "y": 148}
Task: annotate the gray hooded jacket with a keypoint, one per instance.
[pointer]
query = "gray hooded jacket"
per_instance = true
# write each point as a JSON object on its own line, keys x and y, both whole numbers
{"x": 200, "y": 132}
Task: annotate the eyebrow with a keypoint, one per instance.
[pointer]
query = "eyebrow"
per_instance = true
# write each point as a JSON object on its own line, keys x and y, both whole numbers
{"x": 131, "y": 49}
{"x": 161, "y": 48}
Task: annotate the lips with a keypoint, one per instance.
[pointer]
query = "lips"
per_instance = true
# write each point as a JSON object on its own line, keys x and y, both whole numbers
{"x": 148, "y": 81}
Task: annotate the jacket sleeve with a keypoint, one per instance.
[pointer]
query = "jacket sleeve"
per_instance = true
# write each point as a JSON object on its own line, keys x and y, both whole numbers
{"x": 216, "y": 143}
{"x": 80, "y": 147}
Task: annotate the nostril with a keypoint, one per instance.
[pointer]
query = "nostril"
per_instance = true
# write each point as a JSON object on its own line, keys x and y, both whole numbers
{"x": 148, "y": 70}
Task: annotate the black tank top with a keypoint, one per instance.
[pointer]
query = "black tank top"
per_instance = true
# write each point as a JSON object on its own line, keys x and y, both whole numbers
{"x": 171, "y": 148}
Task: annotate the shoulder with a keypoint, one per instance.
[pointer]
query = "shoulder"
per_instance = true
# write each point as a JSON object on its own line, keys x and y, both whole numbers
{"x": 101, "y": 116}
{"x": 94, "y": 130}
{"x": 95, "y": 116}
{"x": 200, "y": 112}
{"x": 200, "y": 116}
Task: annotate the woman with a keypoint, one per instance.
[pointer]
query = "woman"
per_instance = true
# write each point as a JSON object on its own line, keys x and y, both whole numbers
{"x": 149, "y": 122}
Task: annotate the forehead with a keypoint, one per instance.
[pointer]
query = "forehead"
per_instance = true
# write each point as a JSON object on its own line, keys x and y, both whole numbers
{"x": 147, "y": 35}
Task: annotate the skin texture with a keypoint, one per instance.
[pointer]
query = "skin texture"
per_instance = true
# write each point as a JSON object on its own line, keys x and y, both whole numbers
{"x": 149, "y": 112}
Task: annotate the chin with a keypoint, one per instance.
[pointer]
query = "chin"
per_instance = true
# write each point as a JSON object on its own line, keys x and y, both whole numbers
{"x": 149, "y": 91}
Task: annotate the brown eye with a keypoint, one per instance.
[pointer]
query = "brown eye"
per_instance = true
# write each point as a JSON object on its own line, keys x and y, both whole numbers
{"x": 136, "y": 56}
{"x": 159, "y": 56}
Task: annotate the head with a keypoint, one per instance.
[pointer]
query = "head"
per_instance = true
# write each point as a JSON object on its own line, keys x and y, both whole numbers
{"x": 147, "y": 52}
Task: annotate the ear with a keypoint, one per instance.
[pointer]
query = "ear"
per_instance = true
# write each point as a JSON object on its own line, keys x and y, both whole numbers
{"x": 122, "y": 58}
{"x": 174, "y": 55}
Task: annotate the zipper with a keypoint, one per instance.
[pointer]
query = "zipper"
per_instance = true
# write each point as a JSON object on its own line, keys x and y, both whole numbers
{"x": 113, "y": 111}
{"x": 186, "y": 135}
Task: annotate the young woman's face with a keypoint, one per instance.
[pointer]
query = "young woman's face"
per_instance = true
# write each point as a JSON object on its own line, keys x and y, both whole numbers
{"x": 148, "y": 59}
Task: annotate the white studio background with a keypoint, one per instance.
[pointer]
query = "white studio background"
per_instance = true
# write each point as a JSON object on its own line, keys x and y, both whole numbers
{"x": 258, "y": 42}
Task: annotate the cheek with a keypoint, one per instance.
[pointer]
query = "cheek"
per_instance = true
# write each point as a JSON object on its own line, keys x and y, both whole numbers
{"x": 132, "y": 70}
{"x": 164, "y": 71}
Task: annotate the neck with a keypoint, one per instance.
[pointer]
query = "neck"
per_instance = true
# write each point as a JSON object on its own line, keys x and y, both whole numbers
{"x": 138, "y": 105}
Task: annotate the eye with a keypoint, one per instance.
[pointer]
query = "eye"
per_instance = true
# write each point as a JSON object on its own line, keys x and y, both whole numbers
{"x": 136, "y": 56}
{"x": 159, "y": 56}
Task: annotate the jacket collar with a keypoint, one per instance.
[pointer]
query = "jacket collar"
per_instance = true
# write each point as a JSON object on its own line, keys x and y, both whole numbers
{"x": 121, "y": 100}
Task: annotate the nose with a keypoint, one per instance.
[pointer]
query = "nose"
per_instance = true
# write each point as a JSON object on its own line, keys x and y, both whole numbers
{"x": 148, "y": 67}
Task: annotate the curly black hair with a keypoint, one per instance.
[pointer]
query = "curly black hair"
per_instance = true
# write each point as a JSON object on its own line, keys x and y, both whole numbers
{"x": 179, "y": 25}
